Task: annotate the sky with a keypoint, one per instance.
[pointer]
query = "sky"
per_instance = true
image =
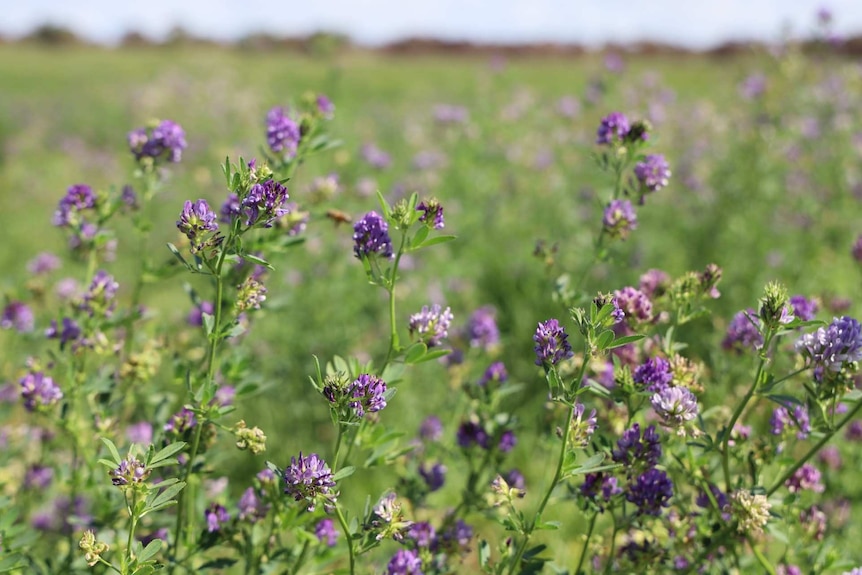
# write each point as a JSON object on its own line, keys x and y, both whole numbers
{"x": 691, "y": 23}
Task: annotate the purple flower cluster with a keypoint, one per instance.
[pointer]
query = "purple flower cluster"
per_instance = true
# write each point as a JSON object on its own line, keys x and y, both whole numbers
{"x": 308, "y": 477}
{"x": 619, "y": 219}
{"x": 70, "y": 331}
{"x": 43, "y": 263}
{"x": 39, "y": 391}
{"x": 196, "y": 221}
{"x": 613, "y": 128}
{"x": 596, "y": 484}
{"x": 471, "y": 432}
{"x": 130, "y": 471}
{"x": 282, "y": 133}
{"x": 251, "y": 508}
{"x": 675, "y": 405}
{"x": 326, "y": 532}
{"x": 216, "y": 516}
{"x": 482, "y": 328}
{"x": 434, "y": 476}
{"x": 99, "y": 298}
{"x": 833, "y": 346}
{"x": 496, "y": 372}
{"x": 180, "y": 422}
{"x": 636, "y": 451}
{"x": 375, "y": 157}
{"x": 371, "y": 237}
{"x": 78, "y": 198}
{"x": 432, "y": 213}
{"x": 782, "y": 421}
{"x": 653, "y": 172}
{"x": 552, "y": 343}
{"x": 803, "y": 308}
{"x": 635, "y": 304}
{"x": 805, "y": 478}
{"x": 431, "y": 429}
{"x": 654, "y": 375}
{"x": 165, "y": 142}
{"x": 17, "y": 315}
{"x": 431, "y": 324}
{"x": 650, "y": 492}
{"x": 405, "y": 562}
{"x": 743, "y": 333}
{"x": 368, "y": 393}
{"x": 264, "y": 204}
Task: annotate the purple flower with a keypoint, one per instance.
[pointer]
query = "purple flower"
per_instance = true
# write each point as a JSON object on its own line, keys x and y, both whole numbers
{"x": 753, "y": 86}
{"x": 806, "y": 477}
{"x": 507, "y": 441}
{"x": 651, "y": 491}
{"x": 164, "y": 142}
{"x": 43, "y": 263}
{"x": 635, "y": 304}
{"x": 375, "y": 157}
{"x": 371, "y": 237}
{"x": 431, "y": 429}
{"x": 17, "y": 314}
{"x": 675, "y": 405}
{"x": 743, "y": 333}
{"x": 264, "y": 204}
{"x": 515, "y": 479}
{"x": 636, "y": 450}
{"x": 39, "y": 391}
{"x": 141, "y": 433}
{"x": 423, "y": 533}
{"x": 496, "y": 372}
{"x": 196, "y": 315}
{"x": 432, "y": 324}
{"x": 130, "y": 471}
{"x": 266, "y": 476}
{"x": 854, "y": 430}
{"x": 309, "y": 478}
{"x": 432, "y": 213}
{"x": 654, "y": 375}
{"x": 196, "y": 220}
{"x": 38, "y": 477}
{"x": 216, "y": 515}
{"x": 99, "y": 298}
{"x": 831, "y": 457}
{"x": 325, "y": 106}
{"x": 405, "y": 562}
{"x": 181, "y": 421}
{"x": 459, "y": 536}
{"x": 146, "y": 539}
{"x": 369, "y": 394}
{"x": 282, "y": 133}
{"x": 653, "y": 172}
{"x": 251, "y": 508}
{"x": 781, "y": 421}
{"x": 653, "y": 282}
{"x": 434, "y": 477}
{"x": 450, "y": 114}
{"x": 70, "y": 332}
{"x": 230, "y": 209}
{"x": 482, "y": 328}
{"x": 833, "y": 346}
{"x": 471, "y": 432}
{"x": 613, "y": 128}
{"x": 326, "y": 532}
{"x": 703, "y": 500}
{"x": 803, "y": 308}
{"x": 619, "y": 219}
{"x": 552, "y": 343}
{"x": 224, "y": 395}
{"x": 78, "y": 197}
{"x": 582, "y": 428}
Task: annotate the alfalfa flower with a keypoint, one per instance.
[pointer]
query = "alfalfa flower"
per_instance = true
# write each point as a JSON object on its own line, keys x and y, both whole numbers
{"x": 613, "y": 128}
{"x": 197, "y": 221}
{"x": 309, "y": 478}
{"x": 743, "y": 332}
{"x": 482, "y": 330}
{"x": 503, "y": 493}
{"x": 389, "y": 518}
{"x": 99, "y": 299}
{"x": 431, "y": 324}
{"x": 92, "y": 549}
{"x": 17, "y": 315}
{"x": 636, "y": 450}
{"x": 654, "y": 375}
{"x": 805, "y": 478}
{"x": 367, "y": 393}
{"x": 130, "y": 472}
{"x": 326, "y": 532}
{"x": 582, "y": 428}
{"x": 39, "y": 391}
{"x": 653, "y": 173}
{"x": 750, "y": 511}
{"x": 282, "y": 133}
{"x": 676, "y": 406}
{"x": 216, "y": 515}
{"x": 78, "y": 198}
{"x": 650, "y": 492}
{"x": 552, "y": 343}
{"x": 264, "y": 204}
{"x": 619, "y": 219}
{"x": 371, "y": 237}
{"x": 158, "y": 143}
{"x": 250, "y": 295}
{"x": 432, "y": 213}
{"x": 252, "y": 439}
{"x": 833, "y": 346}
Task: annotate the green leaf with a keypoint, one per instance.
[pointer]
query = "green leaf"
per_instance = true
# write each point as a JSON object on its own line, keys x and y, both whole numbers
{"x": 432, "y": 355}
{"x": 209, "y": 323}
{"x": 435, "y": 240}
{"x": 383, "y": 206}
{"x": 167, "y": 452}
{"x": 112, "y": 449}
{"x": 258, "y": 260}
{"x": 415, "y": 352}
{"x": 604, "y": 339}
{"x": 178, "y": 255}
{"x": 10, "y": 562}
{"x": 550, "y": 525}
{"x": 109, "y": 464}
{"x": 165, "y": 497}
{"x": 484, "y": 553}
{"x": 150, "y": 550}
{"x": 344, "y": 473}
{"x": 420, "y": 236}
{"x": 626, "y": 339}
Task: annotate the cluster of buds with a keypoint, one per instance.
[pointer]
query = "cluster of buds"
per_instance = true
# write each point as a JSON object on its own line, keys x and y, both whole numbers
{"x": 92, "y": 549}
{"x": 130, "y": 472}
{"x": 252, "y": 439}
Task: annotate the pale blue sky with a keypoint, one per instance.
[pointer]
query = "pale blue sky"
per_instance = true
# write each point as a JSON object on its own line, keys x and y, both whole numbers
{"x": 695, "y": 23}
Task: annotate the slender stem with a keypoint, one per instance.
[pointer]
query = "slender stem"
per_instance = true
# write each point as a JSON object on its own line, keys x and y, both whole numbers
{"x": 586, "y": 544}
{"x": 764, "y": 562}
{"x": 814, "y": 449}
{"x": 610, "y": 563}
{"x": 301, "y": 559}
{"x": 347, "y": 536}
{"x": 557, "y": 475}
{"x": 133, "y": 521}
{"x": 725, "y": 452}
{"x": 393, "y": 327}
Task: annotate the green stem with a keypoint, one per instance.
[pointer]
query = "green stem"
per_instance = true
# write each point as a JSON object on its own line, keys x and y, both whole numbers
{"x": 133, "y": 521}
{"x": 814, "y": 449}
{"x": 347, "y": 536}
{"x": 610, "y": 562}
{"x": 301, "y": 559}
{"x": 586, "y": 544}
{"x": 764, "y": 562}
{"x": 557, "y": 475}
{"x": 725, "y": 452}
{"x": 393, "y": 327}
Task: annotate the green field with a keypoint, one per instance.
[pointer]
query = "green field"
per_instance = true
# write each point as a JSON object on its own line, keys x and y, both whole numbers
{"x": 754, "y": 190}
